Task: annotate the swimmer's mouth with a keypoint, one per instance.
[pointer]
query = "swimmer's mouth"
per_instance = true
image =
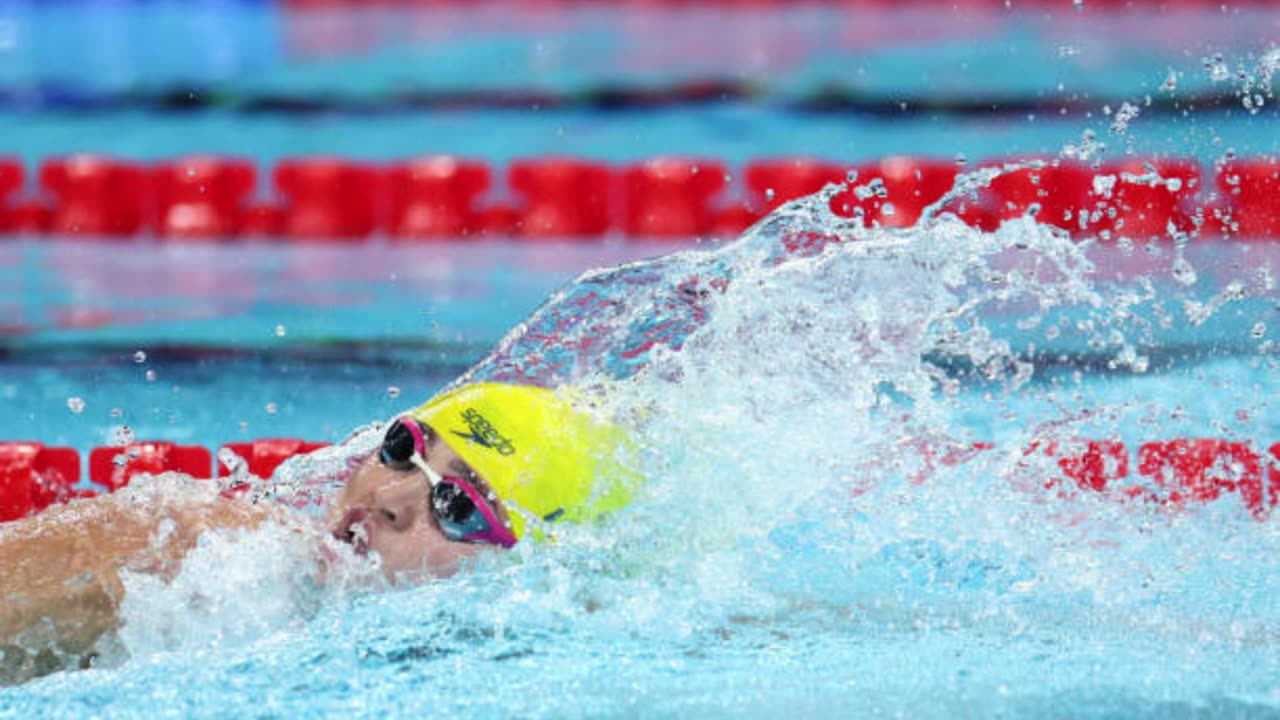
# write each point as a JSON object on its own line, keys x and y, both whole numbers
{"x": 353, "y": 531}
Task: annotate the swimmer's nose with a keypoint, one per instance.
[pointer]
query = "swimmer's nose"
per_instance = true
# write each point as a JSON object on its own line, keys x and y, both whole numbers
{"x": 398, "y": 503}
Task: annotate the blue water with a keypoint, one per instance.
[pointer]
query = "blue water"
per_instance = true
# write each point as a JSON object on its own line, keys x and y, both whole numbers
{"x": 1069, "y": 70}
{"x": 331, "y": 336}
{"x": 793, "y": 551}
{"x": 945, "y": 51}
{"x": 782, "y": 559}
{"x": 735, "y": 135}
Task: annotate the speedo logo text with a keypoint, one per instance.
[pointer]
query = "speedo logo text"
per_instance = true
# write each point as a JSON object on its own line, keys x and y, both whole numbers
{"x": 482, "y": 432}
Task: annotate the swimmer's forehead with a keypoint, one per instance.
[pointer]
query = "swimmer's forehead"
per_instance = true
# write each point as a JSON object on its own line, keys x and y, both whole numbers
{"x": 457, "y": 465}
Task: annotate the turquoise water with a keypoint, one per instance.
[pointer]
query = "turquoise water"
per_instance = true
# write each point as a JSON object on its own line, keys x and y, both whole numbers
{"x": 797, "y": 548}
{"x": 944, "y": 51}
{"x": 734, "y": 134}
{"x": 1049, "y": 72}
{"x": 331, "y": 336}
{"x": 793, "y": 550}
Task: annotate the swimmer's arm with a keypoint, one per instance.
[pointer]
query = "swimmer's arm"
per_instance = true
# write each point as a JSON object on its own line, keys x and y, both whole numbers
{"x": 60, "y": 582}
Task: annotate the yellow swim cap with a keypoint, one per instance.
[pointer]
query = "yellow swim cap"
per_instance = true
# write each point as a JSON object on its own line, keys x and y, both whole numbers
{"x": 543, "y": 457}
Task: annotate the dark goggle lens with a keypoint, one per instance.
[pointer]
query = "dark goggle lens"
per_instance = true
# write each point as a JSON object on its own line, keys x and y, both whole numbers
{"x": 459, "y": 518}
{"x": 397, "y": 446}
{"x": 452, "y": 504}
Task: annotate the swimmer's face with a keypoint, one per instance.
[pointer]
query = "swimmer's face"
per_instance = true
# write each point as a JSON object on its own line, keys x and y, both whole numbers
{"x": 386, "y": 511}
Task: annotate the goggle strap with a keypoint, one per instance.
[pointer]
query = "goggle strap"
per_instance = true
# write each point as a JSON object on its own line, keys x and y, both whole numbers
{"x": 433, "y": 478}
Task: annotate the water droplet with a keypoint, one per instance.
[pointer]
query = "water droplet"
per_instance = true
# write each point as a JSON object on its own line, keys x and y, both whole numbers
{"x": 1183, "y": 272}
{"x": 75, "y": 404}
{"x": 393, "y": 391}
{"x": 280, "y": 331}
{"x": 271, "y": 408}
{"x": 140, "y": 357}
{"x": 769, "y": 194}
{"x": 121, "y": 435}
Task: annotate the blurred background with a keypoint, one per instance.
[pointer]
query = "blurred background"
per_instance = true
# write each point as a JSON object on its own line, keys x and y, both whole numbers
{"x": 945, "y": 473}
{"x": 224, "y": 220}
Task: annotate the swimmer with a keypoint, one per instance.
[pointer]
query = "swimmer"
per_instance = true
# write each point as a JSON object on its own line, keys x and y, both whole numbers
{"x": 484, "y": 466}
{"x": 477, "y": 469}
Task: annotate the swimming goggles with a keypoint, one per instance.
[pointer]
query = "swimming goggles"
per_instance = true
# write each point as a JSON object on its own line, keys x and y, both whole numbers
{"x": 463, "y": 513}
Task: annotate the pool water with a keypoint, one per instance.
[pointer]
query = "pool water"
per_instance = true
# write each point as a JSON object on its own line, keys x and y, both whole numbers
{"x": 966, "y": 80}
{"x": 792, "y": 548}
{"x": 162, "y": 339}
{"x": 799, "y": 546}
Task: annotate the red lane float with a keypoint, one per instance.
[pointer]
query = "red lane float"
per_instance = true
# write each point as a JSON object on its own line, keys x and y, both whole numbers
{"x": 774, "y": 182}
{"x": 499, "y": 221}
{"x": 564, "y": 198}
{"x": 671, "y": 197}
{"x": 895, "y": 191}
{"x": 732, "y": 220}
{"x": 262, "y": 457}
{"x": 1144, "y": 199}
{"x": 1057, "y": 193}
{"x": 11, "y": 177}
{"x": 201, "y": 197}
{"x": 1097, "y": 465}
{"x": 1201, "y": 470}
{"x": 29, "y": 217}
{"x": 327, "y": 198}
{"x": 1252, "y": 191}
{"x": 1176, "y": 473}
{"x": 112, "y": 467}
{"x": 34, "y": 476}
{"x": 262, "y": 221}
{"x": 435, "y": 197}
{"x": 95, "y": 196}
